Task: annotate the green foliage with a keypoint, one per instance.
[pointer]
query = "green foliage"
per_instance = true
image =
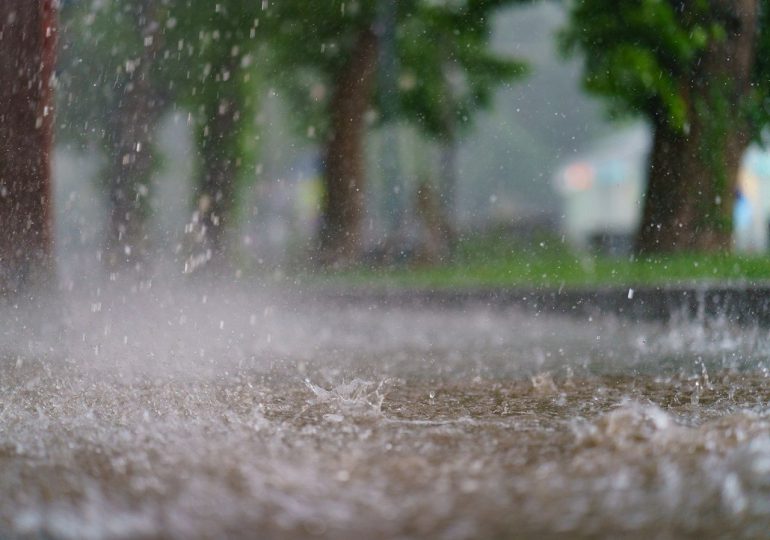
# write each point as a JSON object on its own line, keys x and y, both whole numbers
{"x": 212, "y": 66}
{"x": 224, "y": 50}
{"x": 309, "y": 43}
{"x": 211, "y": 46}
{"x": 447, "y": 69}
{"x": 639, "y": 52}
{"x": 757, "y": 108}
{"x": 643, "y": 56}
{"x": 110, "y": 48}
{"x": 102, "y": 42}
{"x": 203, "y": 55}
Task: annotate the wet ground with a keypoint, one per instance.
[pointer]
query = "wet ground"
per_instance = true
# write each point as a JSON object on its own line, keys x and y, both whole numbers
{"x": 241, "y": 414}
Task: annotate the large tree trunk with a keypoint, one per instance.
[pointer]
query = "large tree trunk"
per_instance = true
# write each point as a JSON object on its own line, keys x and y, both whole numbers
{"x": 693, "y": 175}
{"x": 131, "y": 159}
{"x": 344, "y": 163}
{"x": 27, "y": 56}
{"x": 689, "y": 204}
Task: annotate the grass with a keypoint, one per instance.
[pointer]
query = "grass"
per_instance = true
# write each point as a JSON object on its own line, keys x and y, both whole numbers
{"x": 493, "y": 261}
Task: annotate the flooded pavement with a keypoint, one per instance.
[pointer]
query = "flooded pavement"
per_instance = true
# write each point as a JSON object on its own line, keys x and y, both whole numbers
{"x": 250, "y": 414}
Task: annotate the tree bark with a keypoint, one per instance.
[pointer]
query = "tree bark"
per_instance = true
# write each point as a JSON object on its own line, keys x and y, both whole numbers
{"x": 130, "y": 142}
{"x": 687, "y": 208}
{"x": 435, "y": 241}
{"x": 449, "y": 183}
{"x": 693, "y": 175}
{"x": 344, "y": 161}
{"x": 449, "y": 150}
{"x": 27, "y": 56}
{"x": 217, "y": 187}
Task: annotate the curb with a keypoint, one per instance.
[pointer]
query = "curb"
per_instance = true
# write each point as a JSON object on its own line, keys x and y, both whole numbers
{"x": 744, "y": 305}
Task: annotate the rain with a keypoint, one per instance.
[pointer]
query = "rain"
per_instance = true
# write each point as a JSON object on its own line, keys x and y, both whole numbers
{"x": 389, "y": 269}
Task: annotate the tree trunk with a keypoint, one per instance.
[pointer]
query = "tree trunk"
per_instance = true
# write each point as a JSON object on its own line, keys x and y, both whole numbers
{"x": 344, "y": 162}
{"x": 219, "y": 143}
{"x": 693, "y": 175}
{"x": 449, "y": 183}
{"x": 131, "y": 160}
{"x": 435, "y": 240}
{"x": 688, "y": 206}
{"x": 218, "y": 178}
{"x": 27, "y": 56}
{"x": 449, "y": 149}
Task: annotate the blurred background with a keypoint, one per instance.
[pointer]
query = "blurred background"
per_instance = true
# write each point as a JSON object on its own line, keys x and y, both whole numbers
{"x": 240, "y": 136}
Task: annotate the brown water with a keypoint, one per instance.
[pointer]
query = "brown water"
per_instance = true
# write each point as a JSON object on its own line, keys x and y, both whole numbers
{"x": 248, "y": 415}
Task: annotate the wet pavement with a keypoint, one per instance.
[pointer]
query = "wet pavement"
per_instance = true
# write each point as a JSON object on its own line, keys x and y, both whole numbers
{"x": 193, "y": 414}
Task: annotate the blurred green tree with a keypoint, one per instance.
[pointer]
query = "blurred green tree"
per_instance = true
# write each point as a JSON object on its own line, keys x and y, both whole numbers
{"x": 214, "y": 50}
{"x": 327, "y": 54}
{"x": 699, "y": 72}
{"x": 137, "y": 59}
{"x": 143, "y": 56}
{"x": 112, "y": 53}
{"x": 28, "y": 31}
{"x": 448, "y": 48}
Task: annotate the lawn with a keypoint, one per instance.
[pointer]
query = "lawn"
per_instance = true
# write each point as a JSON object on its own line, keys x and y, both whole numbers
{"x": 491, "y": 261}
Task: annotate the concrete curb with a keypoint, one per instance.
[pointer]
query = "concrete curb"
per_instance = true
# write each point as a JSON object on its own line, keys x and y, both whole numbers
{"x": 744, "y": 305}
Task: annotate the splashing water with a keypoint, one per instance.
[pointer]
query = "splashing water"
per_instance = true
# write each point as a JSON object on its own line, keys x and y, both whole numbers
{"x": 198, "y": 414}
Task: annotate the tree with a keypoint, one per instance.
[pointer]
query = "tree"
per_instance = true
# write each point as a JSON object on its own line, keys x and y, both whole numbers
{"x": 27, "y": 46}
{"x": 213, "y": 72}
{"x": 130, "y": 138}
{"x": 123, "y": 42}
{"x": 698, "y": 71}
{"x": 145, "y": 57}
{"x": 325, "y": 56}
{"x": 334, "y": 47}
{"x": 458, "y": 73}
{"x": 343, "y": 158}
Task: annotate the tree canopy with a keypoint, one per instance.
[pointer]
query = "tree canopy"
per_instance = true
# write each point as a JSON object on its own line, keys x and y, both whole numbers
{"x": 643, "y": 56}
{"x": 311, "y": 44}
{"x": 211, "y": 59}
{"x": 698, "y": 71}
